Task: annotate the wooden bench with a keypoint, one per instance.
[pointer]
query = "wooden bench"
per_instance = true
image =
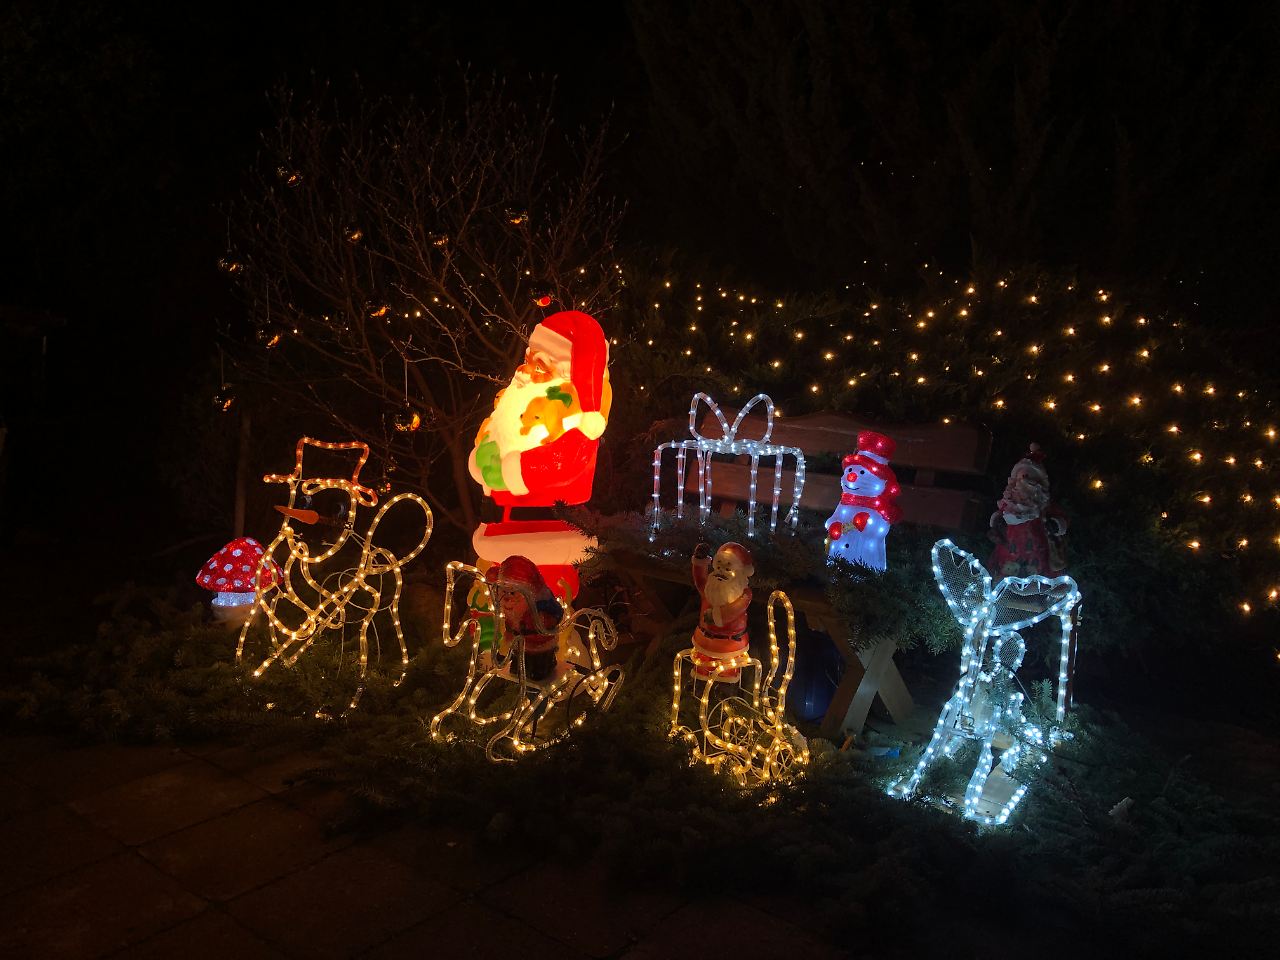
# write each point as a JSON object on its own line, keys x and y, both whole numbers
{"x": 940, "y": 468}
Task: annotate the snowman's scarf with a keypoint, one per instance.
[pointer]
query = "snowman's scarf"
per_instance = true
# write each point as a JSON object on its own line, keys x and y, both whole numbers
{"x": 891, "y": 512}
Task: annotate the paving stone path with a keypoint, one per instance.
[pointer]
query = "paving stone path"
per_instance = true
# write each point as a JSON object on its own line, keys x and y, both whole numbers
{"x": 219, "y": 851}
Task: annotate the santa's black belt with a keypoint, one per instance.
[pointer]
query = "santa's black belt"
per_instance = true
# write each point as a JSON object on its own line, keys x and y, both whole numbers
{"x": 533, "y": 513}
{"x": 720, "y": 636}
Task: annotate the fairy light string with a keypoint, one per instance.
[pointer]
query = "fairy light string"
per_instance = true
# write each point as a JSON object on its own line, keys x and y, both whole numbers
{"x": 1080, "y": 361}
{"x": 1096, "y": 371}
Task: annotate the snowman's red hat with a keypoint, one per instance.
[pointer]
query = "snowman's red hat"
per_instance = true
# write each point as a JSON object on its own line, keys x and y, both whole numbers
{"x": 874, "y": 451}
{"x": 876, "y": 446}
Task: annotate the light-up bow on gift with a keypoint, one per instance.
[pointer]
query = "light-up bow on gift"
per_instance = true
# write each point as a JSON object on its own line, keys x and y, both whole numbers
{"x": 985, "y": 706}
{"x": 703, "y": 448}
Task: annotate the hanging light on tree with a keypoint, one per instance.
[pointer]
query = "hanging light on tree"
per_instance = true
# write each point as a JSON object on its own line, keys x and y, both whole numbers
{"x": 225, "y": 398}
{"x": 406, "y": 419}
{"x": 269, "y": 335}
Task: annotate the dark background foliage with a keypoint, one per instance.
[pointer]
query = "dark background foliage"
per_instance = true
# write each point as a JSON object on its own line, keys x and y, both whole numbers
{"x": 1132, "y": 140}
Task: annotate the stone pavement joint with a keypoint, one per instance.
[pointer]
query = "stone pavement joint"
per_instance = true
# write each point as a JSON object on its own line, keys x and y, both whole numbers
{"x": 164, "y": 802}
{"x": 243, "y": 849}
{"x": 48, "y": 842}
{"x": 211, "y": 935}
{"x": 93, "y": 910}
{"x": 342, "y": 905}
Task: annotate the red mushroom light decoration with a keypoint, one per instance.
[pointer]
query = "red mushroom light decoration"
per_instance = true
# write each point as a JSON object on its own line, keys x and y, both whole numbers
{"x": 235, "y": 573}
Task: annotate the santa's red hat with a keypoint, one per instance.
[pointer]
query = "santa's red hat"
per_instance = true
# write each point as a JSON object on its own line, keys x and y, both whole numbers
{"x": 521, "y": 572}
{"x": 741, "y": 554}
{"x": 1032, "y": 465}
{"x": 874, "y": 452}
{"x": 574, "y": 337}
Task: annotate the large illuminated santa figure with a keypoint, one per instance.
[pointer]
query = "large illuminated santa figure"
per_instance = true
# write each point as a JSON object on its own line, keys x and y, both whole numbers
{"x": 538, "y": 448}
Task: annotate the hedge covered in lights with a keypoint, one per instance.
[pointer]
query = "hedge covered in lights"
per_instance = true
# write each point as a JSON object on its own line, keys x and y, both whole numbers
{"x": 1162, "y": 441}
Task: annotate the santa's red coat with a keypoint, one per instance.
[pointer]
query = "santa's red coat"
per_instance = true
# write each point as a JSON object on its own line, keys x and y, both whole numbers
{"x": 715, "y": 641}
{"x": 561, "y": 471}
{"x": 1022, "y": 549}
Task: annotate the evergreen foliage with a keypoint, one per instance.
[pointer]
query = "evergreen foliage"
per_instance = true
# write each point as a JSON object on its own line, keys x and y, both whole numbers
{"x": 901, "y": 605}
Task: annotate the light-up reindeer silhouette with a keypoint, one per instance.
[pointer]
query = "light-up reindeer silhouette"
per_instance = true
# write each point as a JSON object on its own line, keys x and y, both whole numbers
{"x": 547, "y": 708}
{"x": 744, "y": 733}
{"x": 309, "y": 599}
{"x": 986, "y": 707}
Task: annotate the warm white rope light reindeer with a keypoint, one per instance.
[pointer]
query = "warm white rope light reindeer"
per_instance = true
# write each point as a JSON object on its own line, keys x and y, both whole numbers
{"x": 579, "y": 685}
{"x": 985, "y": 707}
{"x": 746, "y": 736}
{"x": 309, "y": 600}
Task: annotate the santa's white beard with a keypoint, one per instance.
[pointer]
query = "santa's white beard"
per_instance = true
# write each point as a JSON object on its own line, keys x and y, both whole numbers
{"x": 505, "y": 425}
{"x": 723, "y": 592}
{"x": 1022, "y": 502}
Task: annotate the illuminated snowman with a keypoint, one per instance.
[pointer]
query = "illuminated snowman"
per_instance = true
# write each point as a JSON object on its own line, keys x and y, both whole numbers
{"x": 869, "y": 490}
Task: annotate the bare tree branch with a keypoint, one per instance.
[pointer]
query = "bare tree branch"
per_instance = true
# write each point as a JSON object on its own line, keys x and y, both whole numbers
{"x": 391, "y": 258}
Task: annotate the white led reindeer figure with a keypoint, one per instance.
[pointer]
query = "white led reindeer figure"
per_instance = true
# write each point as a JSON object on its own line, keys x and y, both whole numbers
{"x": 539, "y": 649}
{"x": 324, "y": 591}
{"x": 744, "y": 732}
{"x": 985, "y": 707}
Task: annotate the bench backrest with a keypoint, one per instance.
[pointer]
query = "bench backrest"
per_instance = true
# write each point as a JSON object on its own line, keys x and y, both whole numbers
{"x": 941, "y": 467}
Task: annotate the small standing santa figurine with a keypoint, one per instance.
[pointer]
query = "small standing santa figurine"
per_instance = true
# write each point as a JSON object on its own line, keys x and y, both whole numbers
{"x": 531, "y": 613}
{"x": 723, "y": 584}
{"x": 868, "y": 507}
{"x": 1028, "y": 529}
{"x": 538, "y": 447}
